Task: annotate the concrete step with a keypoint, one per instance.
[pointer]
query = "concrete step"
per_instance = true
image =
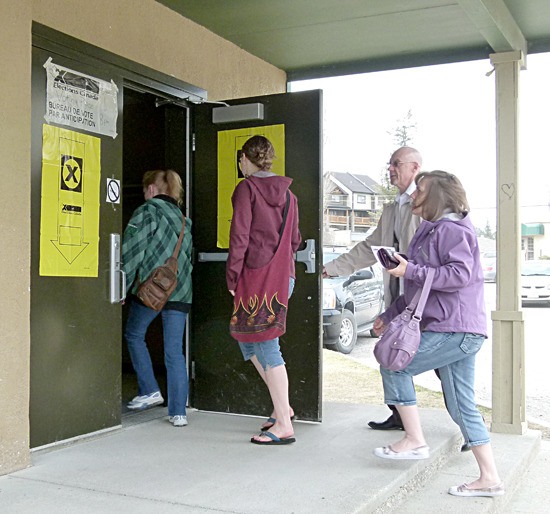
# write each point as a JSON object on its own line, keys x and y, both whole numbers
{"x": 513, "y": 453}
{"x": 532, "y": 494}
{"x": 211, "y": 467}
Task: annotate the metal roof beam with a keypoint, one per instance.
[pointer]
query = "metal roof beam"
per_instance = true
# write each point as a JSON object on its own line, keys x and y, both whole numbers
{"x": 496, "y": 24}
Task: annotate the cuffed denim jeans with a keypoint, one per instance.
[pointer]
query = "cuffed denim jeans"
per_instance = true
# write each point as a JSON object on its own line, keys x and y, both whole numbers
{"x": 454, "y": 355}
{"x": 173, "y": 326}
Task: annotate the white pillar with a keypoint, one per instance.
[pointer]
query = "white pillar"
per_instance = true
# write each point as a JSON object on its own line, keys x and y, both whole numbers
{"x": 508, "y": 396}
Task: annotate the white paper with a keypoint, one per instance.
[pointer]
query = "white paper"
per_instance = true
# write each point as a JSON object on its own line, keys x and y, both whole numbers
{"x": 80, "y": 101}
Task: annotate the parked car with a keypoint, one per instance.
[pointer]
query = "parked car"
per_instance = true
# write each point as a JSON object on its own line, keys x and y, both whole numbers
{"x": 535, "y": 282}
{"x": 351, "y": 304}
{"x": 489, "y": 265}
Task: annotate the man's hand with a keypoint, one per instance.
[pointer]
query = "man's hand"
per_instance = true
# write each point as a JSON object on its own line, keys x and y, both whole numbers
{"x": 325, "y": 274}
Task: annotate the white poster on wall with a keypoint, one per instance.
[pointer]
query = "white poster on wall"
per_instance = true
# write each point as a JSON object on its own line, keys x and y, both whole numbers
{"x": 80, "y": 101}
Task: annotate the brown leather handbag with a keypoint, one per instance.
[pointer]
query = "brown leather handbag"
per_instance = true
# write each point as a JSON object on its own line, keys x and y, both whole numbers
{"x": 156, "y": 290}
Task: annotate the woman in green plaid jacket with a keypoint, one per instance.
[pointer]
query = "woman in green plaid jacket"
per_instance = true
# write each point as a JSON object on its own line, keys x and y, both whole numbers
{"x": 149, "y": 239}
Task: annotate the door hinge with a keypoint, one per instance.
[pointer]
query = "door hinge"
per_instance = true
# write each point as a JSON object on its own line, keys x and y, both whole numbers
{"x": 193, "y": 370}
{"x": 193, "y": 142}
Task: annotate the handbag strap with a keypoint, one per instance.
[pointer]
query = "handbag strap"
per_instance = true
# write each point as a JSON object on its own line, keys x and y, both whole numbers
{"x": 180, "y": 239}
{"x": 421, "y": 295}
{"x": 285, "y": 212}
{"x": 175, "y": 253}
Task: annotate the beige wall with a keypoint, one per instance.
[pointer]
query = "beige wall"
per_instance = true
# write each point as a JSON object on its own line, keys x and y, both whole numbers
{"x": 141, "y": 30}
{"x": 151, "y": 34}
{"x": 15, "y": 111}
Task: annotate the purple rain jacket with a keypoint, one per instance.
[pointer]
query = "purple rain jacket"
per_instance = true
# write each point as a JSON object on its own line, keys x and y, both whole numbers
{"x": 455, "y": 302}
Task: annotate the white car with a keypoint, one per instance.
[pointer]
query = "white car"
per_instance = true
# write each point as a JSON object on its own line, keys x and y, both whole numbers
{"x": 535, "y": 282}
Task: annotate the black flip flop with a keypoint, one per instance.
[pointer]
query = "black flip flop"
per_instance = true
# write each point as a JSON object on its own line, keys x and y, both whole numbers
{"x": 274, "y": 439}
{"x": 273, "y": 421}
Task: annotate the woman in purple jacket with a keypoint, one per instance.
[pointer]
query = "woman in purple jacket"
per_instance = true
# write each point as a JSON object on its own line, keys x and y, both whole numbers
{"x": 454, "y": 326}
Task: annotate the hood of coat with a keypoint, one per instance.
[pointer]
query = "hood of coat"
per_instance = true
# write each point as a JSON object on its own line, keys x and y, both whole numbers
{"x": 272, "y": 188}
{"x": 465, "y": 223}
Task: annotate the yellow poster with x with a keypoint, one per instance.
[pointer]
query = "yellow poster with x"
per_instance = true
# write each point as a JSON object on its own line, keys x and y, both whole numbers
{"x": 69, "y": 215}
{"x": 230, "y": 174}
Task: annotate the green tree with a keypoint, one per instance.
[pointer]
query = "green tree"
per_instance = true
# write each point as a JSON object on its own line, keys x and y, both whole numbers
{"x": 402, "y": 135}
{"x": 488, "y": 232}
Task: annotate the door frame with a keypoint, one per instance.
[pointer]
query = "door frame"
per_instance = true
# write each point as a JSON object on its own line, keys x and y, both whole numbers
{"x": 129, "y": 74}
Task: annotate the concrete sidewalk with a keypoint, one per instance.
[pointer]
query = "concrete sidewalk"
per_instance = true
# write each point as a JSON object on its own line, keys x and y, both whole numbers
{"x": 211, "y": 467}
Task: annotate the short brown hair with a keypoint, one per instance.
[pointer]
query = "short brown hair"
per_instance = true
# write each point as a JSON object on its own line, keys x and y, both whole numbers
{"x": 444, "y": 193}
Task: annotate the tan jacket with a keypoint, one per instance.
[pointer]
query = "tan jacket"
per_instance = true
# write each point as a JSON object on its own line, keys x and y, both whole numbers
{"x": 361, "y": 256}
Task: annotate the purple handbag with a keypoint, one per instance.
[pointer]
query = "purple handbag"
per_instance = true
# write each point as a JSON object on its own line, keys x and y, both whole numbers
{"x": 399, "y": 343}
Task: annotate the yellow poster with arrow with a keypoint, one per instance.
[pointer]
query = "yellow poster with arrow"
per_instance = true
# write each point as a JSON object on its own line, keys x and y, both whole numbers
{"x": 69, "y": 216}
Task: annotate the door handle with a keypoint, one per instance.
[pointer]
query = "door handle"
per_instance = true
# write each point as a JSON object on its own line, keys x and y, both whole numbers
{"x": 307, "y": 256}
{"x": 117, "y": 277}
{"x": 213, "y": 256}
{"x": 123, "y": 292}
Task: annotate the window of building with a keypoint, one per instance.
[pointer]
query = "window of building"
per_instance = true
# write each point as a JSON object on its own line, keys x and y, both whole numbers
{"x": 530, "y": 248}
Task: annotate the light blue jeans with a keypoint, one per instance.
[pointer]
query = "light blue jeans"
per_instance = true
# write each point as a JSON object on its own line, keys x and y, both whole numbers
{"x": 173, "y": 326}
{"x": 268, "y": 352}
{"x": 454, "y": 355}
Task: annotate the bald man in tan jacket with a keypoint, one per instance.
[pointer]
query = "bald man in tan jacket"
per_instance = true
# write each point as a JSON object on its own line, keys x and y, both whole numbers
{"x": 396, "y": 228}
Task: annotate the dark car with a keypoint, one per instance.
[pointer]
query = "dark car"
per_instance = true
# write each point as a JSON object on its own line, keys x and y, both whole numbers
{"x": 351, "y": 304}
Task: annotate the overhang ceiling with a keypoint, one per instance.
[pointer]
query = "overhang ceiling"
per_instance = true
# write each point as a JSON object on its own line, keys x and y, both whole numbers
{"x": 322, "y": 38}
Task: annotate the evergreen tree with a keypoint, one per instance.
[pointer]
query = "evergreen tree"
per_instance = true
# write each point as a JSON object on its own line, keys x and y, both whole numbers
{"x": 402, "y": 135}
{"x": 488, "y": 232}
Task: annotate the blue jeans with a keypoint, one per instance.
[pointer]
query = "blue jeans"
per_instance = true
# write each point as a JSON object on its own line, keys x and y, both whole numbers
{"x": 173, "y": 326}
{"x": 268, "y": 352}
{"x": 454, "y": 355}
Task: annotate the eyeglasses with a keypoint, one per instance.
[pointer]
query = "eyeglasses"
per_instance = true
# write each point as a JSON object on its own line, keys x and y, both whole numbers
{"x": 397, "y": 163}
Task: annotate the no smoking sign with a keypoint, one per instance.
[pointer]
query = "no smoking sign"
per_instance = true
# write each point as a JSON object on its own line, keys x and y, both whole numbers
{"x": 113, "y": 191}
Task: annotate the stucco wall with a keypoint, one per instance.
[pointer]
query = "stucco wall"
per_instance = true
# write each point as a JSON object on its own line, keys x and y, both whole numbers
{"x": 15, "y": 113}
{"x": 151, "y": 34}
{"x": 141, "y": 30}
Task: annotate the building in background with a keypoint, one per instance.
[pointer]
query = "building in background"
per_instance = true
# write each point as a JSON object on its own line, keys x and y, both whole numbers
{"x": 352, "y": 205}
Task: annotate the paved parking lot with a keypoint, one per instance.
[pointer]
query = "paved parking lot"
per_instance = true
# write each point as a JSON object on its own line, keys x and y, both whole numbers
{"x": 537, "y": 354}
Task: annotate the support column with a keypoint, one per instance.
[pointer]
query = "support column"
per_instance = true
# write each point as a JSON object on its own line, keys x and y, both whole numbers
{"x": 508, "y": 396}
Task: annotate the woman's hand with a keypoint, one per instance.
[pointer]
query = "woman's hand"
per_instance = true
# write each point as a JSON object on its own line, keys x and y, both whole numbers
{"x": 400, "y": 270}
{"x": 378, "y": 327}
{"x": 232, "y": 292}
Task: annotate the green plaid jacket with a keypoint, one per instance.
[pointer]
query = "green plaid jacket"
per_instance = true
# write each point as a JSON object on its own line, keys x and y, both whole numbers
{"x": 150, "y": 238}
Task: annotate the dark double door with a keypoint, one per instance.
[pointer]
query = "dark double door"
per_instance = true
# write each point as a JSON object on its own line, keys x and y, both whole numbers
{"x": 222, "y": 382}
{"x": 77, "y": 353}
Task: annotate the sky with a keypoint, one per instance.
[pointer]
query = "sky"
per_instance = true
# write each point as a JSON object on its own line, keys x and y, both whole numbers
{"x": 453, "y": 106}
